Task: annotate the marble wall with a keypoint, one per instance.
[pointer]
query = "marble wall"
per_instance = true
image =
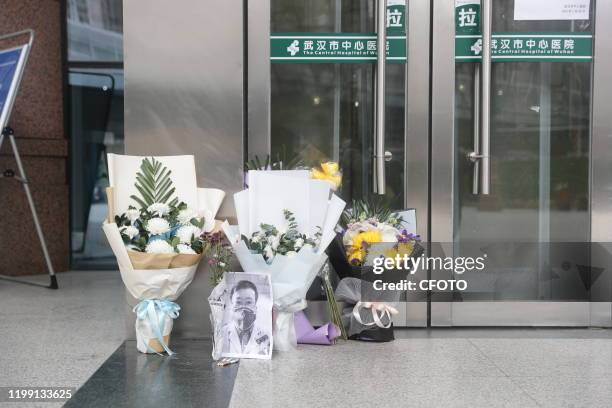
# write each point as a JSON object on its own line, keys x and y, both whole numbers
{"x": 38, "y": 120}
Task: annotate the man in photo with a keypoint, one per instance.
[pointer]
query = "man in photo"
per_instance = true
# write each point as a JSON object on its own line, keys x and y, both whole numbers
{"x": 241, "y": 334}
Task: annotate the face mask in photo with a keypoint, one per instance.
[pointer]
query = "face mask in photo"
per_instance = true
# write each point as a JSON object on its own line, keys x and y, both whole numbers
{"x": 244, "y": 308}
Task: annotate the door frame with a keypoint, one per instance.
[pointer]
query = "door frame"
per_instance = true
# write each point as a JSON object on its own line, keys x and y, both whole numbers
{"x": 429, "y": 144}
{"x": 445, "y": 312}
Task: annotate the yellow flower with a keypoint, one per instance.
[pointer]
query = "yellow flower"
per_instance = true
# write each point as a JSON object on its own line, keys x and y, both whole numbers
{"x": 330, "y": 172}
{"x": 367, "y": 237}
{"x": 330, "y": 167}
{"x": 355, "y": 257}
{"x": 400, "y": 249}
{"x": 356, "y": 252}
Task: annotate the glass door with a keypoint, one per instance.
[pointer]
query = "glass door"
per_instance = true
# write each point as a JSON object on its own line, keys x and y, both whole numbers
{"x": 324, "y": 105}
{"x": 519, "y": 183}
{"x": 319, "y": 89}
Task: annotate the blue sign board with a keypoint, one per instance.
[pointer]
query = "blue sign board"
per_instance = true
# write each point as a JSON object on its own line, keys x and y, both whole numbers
{"x": 9, "y": 60}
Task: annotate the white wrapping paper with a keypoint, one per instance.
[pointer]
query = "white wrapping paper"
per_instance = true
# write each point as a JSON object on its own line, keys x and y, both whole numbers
{"x": 309, "y": 200}
{"x": 155, "y": 284}
{"x": 216, "y": 300}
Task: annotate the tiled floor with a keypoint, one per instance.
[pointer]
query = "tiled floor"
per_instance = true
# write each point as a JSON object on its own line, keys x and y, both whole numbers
{"x": 434, "y": 372}
{"x": 60, "y": 338}
{"x": 187, "y": 379}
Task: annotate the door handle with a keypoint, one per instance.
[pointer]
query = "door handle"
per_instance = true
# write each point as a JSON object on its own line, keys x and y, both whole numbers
{"x": 482, "y": 108}
{"x": 485, "y": 162}
{"x": 379, "y": 119}
{"x": 475, "y": 156}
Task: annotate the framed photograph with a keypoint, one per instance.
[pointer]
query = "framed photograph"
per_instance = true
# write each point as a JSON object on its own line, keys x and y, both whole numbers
{"x": 247, "y": 319}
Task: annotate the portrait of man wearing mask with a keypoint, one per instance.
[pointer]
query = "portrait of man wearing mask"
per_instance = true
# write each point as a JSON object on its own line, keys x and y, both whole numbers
{"x": 241, "y": 335}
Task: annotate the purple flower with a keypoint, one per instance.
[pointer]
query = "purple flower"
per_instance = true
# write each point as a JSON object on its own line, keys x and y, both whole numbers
{"x": 406, "y": 237}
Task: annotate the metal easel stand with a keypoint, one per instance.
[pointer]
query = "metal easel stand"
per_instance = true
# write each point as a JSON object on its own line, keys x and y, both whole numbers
{"x": 9, "y": 173}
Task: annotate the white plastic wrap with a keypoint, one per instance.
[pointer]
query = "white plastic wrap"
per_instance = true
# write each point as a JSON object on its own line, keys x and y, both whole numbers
{"x": 156, "y": 287}
{"x": 314, "y": 208}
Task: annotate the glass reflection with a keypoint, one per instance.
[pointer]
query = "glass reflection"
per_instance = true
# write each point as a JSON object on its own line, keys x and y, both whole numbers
{"x": 325, "y": 111}
{"x": 95, "y": 30}
{"x": 540, "y": 150}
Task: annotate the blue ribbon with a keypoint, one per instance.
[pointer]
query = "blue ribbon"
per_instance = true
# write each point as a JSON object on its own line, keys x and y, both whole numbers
{"x": 154, "y": 311}
{"x": 166, "y": 235}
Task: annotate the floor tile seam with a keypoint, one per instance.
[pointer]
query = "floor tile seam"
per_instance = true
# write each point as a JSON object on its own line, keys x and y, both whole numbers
{"x": 486, "y": 356}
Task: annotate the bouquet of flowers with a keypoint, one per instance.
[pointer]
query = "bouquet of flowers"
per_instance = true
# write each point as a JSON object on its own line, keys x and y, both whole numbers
{"x": 286, "y": 220}
{"x": 158, "y": 240}
{"x": 368, "y": 231}
{"x": 285, "y": 240}
{"x": 162, "y": 228}
{"x": 361, "y": 228}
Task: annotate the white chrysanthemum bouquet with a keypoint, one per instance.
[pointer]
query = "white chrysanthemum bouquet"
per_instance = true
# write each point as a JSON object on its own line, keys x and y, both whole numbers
{"x": 157, "y": 239}
{"x": 164, "y": 229}
{"x": 286, "y": 221}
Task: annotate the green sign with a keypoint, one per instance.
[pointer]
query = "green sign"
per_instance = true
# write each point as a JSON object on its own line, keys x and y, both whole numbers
{"x": 333, "y": 48}
{"x": 507, "y": 47}
{"x": 396, "y": 17}
{"x": 343, "y": 47}
{"x": 467, "y": 17}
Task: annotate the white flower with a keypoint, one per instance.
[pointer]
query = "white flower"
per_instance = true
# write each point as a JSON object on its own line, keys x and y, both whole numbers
{"x": 159, "y": 209}
{"x": 299, "y": 243}
{"x": 130, "y": 231}
{"x": 159, "y": 246}
{"x": 132, "y": 214}
{"x": 221, "y": 264}
{"x": 388, "y": 232}
{"x": 255, "y": 239}
{"x": 187, "y": 232}
{"x": 185, "y": 216}
{"x": 185, "y": 249}
{"x": 269, "y": 254}
{"x": 157, "y": 226}
{"x": 291, "y": 254}
{"x": 274, "y": 241}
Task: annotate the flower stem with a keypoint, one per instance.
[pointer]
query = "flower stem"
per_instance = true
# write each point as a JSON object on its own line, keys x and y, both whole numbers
{"x": 334, "y": 312}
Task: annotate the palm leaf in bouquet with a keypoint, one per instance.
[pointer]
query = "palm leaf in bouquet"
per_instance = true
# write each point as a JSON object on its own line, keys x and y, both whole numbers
{"x": 154, "y": 184}
{"x": 279, "y": 162}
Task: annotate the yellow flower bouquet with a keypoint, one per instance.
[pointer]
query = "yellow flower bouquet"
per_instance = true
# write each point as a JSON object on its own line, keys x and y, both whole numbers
{"x": 363, "y": 227}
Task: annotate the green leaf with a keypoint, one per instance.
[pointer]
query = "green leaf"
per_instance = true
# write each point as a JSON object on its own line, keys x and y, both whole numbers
{"x": 146, "y": 195}
{"x": 167, "y": 197}
{"x": 197, "y": 223}
{"x": 145, "y": 182}
{"x": 139, "y": 201}
{"x": 154, "y": 184}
